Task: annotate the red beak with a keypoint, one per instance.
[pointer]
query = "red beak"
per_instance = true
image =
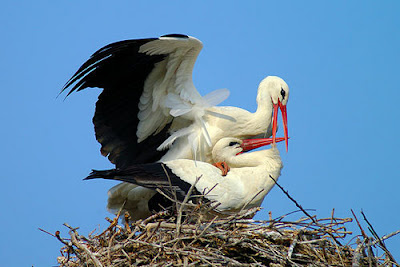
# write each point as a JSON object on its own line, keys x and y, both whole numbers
{"x": 250, "y": 144}
{"x": 275, "y": 123}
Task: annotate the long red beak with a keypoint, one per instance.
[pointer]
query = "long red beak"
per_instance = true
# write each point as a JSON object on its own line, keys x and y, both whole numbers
{"x": 250, "y": 144}
{"x": 275, "y": 123}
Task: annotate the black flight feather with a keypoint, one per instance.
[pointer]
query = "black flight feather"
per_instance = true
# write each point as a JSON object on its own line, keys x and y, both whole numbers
{"x": 152, "y": 176}
{"x": 121, "y": 71}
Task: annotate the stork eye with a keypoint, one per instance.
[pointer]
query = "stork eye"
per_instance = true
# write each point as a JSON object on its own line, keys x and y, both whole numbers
{"x": 283, "y": 93}
{"x": 233, "y": 143}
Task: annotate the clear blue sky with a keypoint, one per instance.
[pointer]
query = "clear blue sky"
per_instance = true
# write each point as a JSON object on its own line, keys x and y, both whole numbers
{"x": 341, "y": 61}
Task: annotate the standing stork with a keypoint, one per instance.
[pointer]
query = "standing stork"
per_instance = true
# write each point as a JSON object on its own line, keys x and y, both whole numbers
{"x": 245, "y": 186}
{"x": 149, "y": 109}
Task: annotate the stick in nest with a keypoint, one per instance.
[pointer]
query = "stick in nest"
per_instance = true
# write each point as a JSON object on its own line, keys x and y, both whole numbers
{"x": 185, "y": 200}
{"x": 303, "y": 210}
{"x": 380, "y": 241}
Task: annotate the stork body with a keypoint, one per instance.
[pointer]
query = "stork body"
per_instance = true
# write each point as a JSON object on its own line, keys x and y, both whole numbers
{"x": 245, "y": 186}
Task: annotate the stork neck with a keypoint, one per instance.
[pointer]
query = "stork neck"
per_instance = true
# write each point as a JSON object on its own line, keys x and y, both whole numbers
{"x": 264, "y": 109}
{"x": 269, "y": 157}
{"x": 264, "y": 101}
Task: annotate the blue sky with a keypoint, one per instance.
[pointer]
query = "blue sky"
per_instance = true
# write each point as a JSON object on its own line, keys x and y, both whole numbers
{"x": 341, "y": 61}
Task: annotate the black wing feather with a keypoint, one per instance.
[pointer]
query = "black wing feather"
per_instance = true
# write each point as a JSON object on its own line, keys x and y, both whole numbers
{"x": 121, "y": 71}
{"x": 153, "y": 176}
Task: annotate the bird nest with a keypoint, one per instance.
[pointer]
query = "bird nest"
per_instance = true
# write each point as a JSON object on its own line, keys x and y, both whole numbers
{"x": 162, "y": 240}
{"x": 196, "y": 235}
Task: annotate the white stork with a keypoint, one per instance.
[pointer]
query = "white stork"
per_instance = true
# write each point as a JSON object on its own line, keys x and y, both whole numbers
{"x": 245, "y": 186}
{"x": 149, "y": 109}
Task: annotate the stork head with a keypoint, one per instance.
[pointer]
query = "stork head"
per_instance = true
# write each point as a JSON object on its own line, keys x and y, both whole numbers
{"x": 229, "y": 147}
{"x": 274, "y": 89}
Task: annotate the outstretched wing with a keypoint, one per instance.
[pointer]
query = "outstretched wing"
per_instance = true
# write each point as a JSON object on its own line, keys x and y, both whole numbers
{"x": 147, "y": 83}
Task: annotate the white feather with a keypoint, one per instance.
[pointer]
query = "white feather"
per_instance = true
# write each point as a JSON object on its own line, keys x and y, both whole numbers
{"x": 216, "y": 97}
{"x": 169, "y": 85}
{"x": 180, "y": 133}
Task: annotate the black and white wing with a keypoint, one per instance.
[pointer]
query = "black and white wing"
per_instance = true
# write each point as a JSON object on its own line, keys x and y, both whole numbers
{"x": 147, "y": 84}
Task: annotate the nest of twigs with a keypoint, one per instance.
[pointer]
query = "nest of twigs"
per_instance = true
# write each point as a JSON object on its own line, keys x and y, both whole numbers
{"x": 191, "y": 238}
{"x": 232, "y": 241}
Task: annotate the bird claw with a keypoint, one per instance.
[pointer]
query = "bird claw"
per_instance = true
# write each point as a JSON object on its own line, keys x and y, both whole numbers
{"x": 223, "y": 166}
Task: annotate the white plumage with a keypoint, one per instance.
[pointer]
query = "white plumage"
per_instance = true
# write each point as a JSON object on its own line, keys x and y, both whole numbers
{"x": 247, "y": 182}
{"x": 245, "y": 186}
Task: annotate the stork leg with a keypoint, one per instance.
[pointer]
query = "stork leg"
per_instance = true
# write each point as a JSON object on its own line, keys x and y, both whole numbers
{"x": 223, "y": 166}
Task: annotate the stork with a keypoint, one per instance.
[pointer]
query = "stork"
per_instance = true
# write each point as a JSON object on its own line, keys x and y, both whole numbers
{"x": 245, "y": 186}
{"x": 149, "y": 109}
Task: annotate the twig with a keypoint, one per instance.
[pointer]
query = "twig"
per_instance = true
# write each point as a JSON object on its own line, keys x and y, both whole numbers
{"x": 380, "y": 242}
{"x": 74, "y": 241}
{"x": 126, "y": 255}
{"x": 169, "y": 226}
{"x": 126, "y": 222}
{"x": 110, "y": 244}
{"x": 170, "y": 185}
{"x": 250, "y": 200}
{"x": 204, "y": 230}
{"x": 303, "y": 210}
{"x": 165, "y": 195}
{"x": 292, "y": 245}
{"x": 359, "y": 225}
{"x": 154, "y": 216}
{"x": 294, "y": 201}
{"x": 114, "y": 222}
{"x": 385, "y": 237}
{"x": 40, "y": 229}
{"x": 57, "y": 234}
{"x": 185, "y": 200}
{"x": 70, "y": 248}
{"x": 358, "y": 257}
